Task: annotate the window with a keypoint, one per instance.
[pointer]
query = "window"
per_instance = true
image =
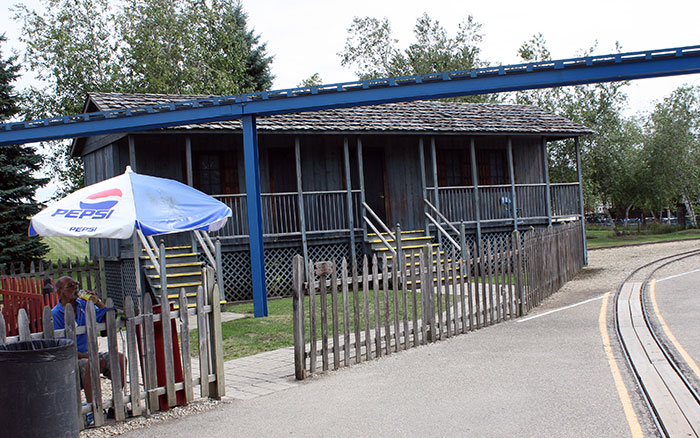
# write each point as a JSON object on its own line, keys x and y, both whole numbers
{"x": 209, "y": 173}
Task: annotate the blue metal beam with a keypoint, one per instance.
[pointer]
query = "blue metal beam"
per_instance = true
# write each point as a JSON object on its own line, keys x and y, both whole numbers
{"x": 255, "y": 227}
{"x": 606, "y": 68}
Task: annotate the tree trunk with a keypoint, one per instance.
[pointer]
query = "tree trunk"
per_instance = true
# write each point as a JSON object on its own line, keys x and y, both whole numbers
{"x": 680, "y": 216}
{"x": 690, "y": 210}
{"x": 612, "y": 222}
{"x": 627, "y": 215}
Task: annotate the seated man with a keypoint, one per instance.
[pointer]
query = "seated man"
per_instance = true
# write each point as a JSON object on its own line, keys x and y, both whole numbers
{"x": 67, "y": 291}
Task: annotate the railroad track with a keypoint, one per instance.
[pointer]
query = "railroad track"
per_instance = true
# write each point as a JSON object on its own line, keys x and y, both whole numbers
{"x": 670, "y": 397}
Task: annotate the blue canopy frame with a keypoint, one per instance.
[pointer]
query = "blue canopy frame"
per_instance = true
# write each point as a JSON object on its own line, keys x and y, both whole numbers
{"x": 247, "y": 107}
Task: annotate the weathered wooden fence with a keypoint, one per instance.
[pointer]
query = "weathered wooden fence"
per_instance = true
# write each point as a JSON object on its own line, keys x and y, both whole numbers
{"x": 158, "y": 372}
{"x": 346, "y": 317}
{"x": 21, "y": 287}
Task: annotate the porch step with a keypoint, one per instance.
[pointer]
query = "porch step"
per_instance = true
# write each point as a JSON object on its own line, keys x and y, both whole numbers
{"x": 410, "y": 240}
{"x": 183, "y": 270}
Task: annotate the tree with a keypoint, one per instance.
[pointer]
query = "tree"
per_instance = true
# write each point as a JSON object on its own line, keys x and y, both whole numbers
{"x": 610, "y": 158}
{"x": 17, "y": 182}
{"x": 672, "y": 151}
{"x": 372, "y": 50}
{"x": 154, "y": 46}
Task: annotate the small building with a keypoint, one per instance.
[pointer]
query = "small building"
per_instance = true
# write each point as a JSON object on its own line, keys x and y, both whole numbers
{"x": 331, "y": 178}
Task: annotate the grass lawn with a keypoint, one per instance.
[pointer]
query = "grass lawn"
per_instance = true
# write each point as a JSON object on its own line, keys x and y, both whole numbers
{"x": 66, "y": 247}
{"x": 248, "y": 336}
{"x": 603, "y": 236}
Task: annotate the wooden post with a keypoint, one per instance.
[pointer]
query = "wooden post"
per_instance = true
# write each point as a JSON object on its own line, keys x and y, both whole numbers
{"x": 361, "y": 174}
{"x": 219, "y": 269}
{"x": 463, "y": 240}
{"x": 298, "y": 315}
{"x": 518, "y": 273}
{"x": 94, "y": 361}
{"x": 203, "y": 333}
{"x": 424, "y": 184}
{"x": 185, "y": 345}
{"x": 168, "y": 358}
{"x": 580, "y": 201}
{"x": 348, "y": 183}
{"x": 132, "y": 153}
{"x": 217, "y": 389}
{"x": 103, "y": 276}
{"x": 436, "y": 191}
{"x": 545, "y": 171}
{"x": 346, "y": 313}
{"x": 133, "y": 357}
{"x": 477, "y": 202}
{"x": 188, "y": 161}
{"x": 511, "y": 173}
{"x": 151, "y": 382}
{"x": 69, "y": 321}
{"x": 115, "y": 363}
{"x": 300, "y": 201}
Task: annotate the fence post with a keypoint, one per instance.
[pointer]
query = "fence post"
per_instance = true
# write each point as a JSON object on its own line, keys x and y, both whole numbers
{"x": 102, "y": 275}
{"x": 217, "y": 389}
{"x": 517, "y": 272}
{"x": 463, "y": 240}
{"x": 298, "y": 309}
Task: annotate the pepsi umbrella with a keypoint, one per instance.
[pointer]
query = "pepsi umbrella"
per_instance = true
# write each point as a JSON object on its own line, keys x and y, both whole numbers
{"x": 114, "y": 208}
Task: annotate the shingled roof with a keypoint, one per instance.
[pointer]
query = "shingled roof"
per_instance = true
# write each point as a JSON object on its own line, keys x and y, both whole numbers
{"x": 406, "y": 117}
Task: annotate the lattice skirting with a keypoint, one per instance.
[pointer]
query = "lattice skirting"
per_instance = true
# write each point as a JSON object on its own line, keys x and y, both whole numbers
{"x": 278, "y": 269}
{"x": 121, "y": 280}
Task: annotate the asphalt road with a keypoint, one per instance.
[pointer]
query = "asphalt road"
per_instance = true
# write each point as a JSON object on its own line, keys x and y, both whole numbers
{"x": 545, "y": 376}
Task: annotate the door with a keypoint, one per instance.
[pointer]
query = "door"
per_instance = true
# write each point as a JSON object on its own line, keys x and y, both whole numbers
{"x": 375, "y": 187}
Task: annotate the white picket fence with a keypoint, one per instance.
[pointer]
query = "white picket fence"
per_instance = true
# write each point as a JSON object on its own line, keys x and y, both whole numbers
{"x": 150, "y": 357}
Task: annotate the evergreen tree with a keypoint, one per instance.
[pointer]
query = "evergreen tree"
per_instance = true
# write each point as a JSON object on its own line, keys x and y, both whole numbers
{"x": 17, "y": 182}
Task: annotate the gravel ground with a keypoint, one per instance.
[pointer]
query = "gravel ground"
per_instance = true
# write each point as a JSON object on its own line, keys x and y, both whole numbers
{"x": 606, "y": 269}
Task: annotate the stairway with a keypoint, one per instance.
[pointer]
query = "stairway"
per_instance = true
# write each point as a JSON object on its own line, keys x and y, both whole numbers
{"x": 412, "y": 242}
{"x": 183, "y": 270}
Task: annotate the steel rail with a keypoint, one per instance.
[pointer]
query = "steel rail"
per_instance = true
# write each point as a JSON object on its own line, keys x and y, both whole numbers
{"x": 500, "y": 78}
{"x": 658, "y": 421}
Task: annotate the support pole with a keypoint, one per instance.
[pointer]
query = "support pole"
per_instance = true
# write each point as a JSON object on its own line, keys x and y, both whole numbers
{"x": 348, "y": 184}
{"x": 436, "y": 192}
{"x": 360, "y": 170}
{"x": 300, "y": 201}
{"x": 580, "y": 200}
{"x": 545, "y": 166}
{"x": 132, "y": 153}
{"x": 188, "y": 161}
{"x": 424, "y": 184}
{"x": 511, "y": 173}
{"x": 255, "y": 227}
{"x": 477, "y": 202}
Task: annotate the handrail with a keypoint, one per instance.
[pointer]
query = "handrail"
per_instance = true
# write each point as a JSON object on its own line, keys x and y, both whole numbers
{"x": 207, "y": 239}
{"x": 441, "y": 216}
{"x": 384, "y": 241}
{"x": 212, "y": 262}
{"x": 442, "y": 230}
{"x": 147, "y": 247}
{"x": 374, "y": 215}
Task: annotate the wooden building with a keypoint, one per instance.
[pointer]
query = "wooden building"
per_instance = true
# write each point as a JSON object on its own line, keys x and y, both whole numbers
{"x": 330, "y": 178}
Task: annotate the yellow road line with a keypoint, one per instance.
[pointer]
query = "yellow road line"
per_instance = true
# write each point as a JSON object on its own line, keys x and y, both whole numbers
{"x": 689, "y": 360}
{"x": 632, "y": 419}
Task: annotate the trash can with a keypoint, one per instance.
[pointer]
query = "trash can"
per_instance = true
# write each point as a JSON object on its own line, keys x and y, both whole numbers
{"x": 39, "y": 397}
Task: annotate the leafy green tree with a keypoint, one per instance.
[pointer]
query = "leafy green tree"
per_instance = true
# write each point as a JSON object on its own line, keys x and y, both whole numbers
{"x": 610, "y": 157}
{"x": 672, "y": 151}
{"x": 17, "y": 182}
{"x": 371, "y": 49}
{"x": 155, "y": 46}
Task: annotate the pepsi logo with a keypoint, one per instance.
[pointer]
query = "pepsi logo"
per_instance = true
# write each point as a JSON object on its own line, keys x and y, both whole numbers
{"x": 104, "y": 200}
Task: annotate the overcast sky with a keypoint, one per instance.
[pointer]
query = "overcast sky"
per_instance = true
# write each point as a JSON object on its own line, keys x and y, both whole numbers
{"x": 304, "y": 36}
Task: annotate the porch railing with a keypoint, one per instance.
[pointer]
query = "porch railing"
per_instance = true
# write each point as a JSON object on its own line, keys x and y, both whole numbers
{"x": 324, "y": 211}
{"x": 457, "y": 203}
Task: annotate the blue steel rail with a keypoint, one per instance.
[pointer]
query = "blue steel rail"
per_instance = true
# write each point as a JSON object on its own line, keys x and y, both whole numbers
{"x": 573, "y": 71}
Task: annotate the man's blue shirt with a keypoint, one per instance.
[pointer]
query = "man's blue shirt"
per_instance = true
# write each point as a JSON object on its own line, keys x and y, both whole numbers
{"x": 59, "y": 320}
